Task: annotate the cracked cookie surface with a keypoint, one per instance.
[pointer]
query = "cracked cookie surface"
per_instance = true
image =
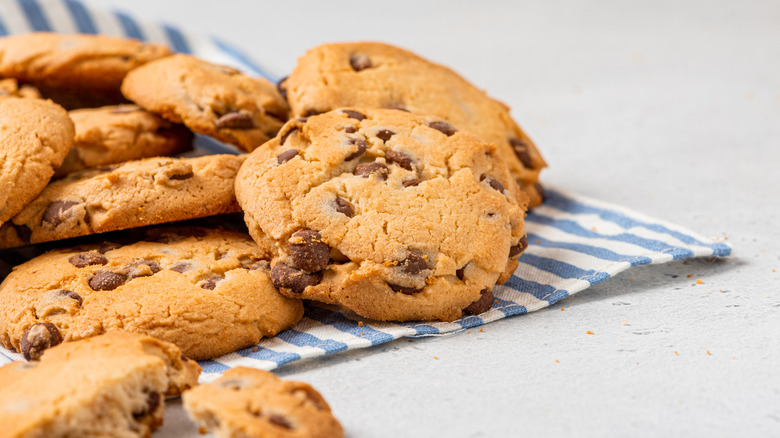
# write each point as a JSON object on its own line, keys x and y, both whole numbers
{"x": 112, "y": 385}
{"x": 210, "y": 99}
{"x": 377, "y": 75}
{"x": 250, "y": 403}
{"x": 112, "y": 134}
{"x": 35, "y": 136}
{"x": 128, "y": 195}
{"x": 207, "y": 291}
{"x": 392, "y": 215}
{"x": 75, "y": 70}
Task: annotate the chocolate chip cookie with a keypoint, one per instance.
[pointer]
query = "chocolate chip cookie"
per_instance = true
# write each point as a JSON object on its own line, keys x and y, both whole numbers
{"x": 377, "y": 75}
{"x": 75, "y": 70}
{"x": 35, "y": 136}
{"x": 128, "y": 195}
{"x": 112, "y": 134}
{"x": 210, "y": 99}
{"x": 393, "y": 215}
{"x": 111, "y": 385}
{"x": 251, "y": 403}
{"x": 207, "y": 291}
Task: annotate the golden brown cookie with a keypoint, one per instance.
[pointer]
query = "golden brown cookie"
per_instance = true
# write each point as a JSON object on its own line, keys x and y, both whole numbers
{"x": 112, "y": 134}
{"x": 128, "y": 195}
{"x": 108, "y": 386}
{"x": 377, "y": 75}
{"x": 75, "y": 70}
{"x": 209, "y": 99}
{"x": 11, "y": 87}
{"x": 251, "y": 403}
{"x": 392, "y": 215}
{"x": 205, "y": 290}
{"x": 35, "y": 136}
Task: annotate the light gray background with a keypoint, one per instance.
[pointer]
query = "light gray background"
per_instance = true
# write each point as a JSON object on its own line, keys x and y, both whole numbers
{"x": 671, "y": 108}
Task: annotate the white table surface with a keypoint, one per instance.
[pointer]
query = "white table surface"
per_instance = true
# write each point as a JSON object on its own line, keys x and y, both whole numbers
{"x": 671, "y": 108}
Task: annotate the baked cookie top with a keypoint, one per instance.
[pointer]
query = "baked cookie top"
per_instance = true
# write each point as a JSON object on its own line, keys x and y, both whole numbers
{"x": 111, "y": 385}
{"x": 210, "y": 99}
{"x": 393, "y": 215}
{"x": 248, "y": 402}
{"x": 35, "y": 136}
{"x": 127, "y": 195}
{"x": 377, "y": 75}
{"x": 91, "y": 66}
{"x": 205, "y": 290}
{"x": 117, "y": 133}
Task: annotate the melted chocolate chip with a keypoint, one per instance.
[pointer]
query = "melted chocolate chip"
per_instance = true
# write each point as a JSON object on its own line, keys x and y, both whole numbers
{"x": 366, "y": 169}
{"x": 106, "y": 280}
{"x": 152, "y": 403}
{"x": 308, "y": 252}
{"x": 443, "y": 127}
{"x": 399, "y": 158}
{"x": 385, "y": 134}
{"x": 359, "y": 61}
{"x": 211, "y": 282}
{"x": 282, "y": 87}
{"x": 404, "y": 290}
{"x": 142, "y": 268}
{"x": 483, "y": 304}
{"x": 181, "y": 267}
{"x": 37, "y": 338}
{"x": 286, "y": 156}
{"x": 23, "y": 232}
{"x": 297, "y": 281}
{"x": 492, "y": 182}
{"x": 354, "y": 114}
{"x": 287, "y": 134}
{"x": 84, "y": 259}
{"x": 414, "y": 182}
{"x": 236, "y": 120}
{"x": 53, "y": 213}
{"x": 182, "y": 176}
{"x": 70, "y": 294}
{"x": 521, "y": 150}
{"x": 261, "y": 265}
{"x": 519, "y": 248}
{"x": 280, "y": 421}
{"x": 344, "y": 207}
{"x": 413, "y": 264}
{"x": 350, "y": 130}
{"x": 361, "y": 147}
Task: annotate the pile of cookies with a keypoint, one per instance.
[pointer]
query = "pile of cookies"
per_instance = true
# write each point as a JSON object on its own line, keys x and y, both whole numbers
{"x": 369, "y": 178}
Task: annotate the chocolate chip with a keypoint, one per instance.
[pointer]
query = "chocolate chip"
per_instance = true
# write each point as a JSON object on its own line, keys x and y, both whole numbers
{"x": 279, "y": 421}
{"x": 152, "y": 403}
{"x": 385, "y": 134}
{"x": 366, "y": 169}
{"x": 282, "y": 87}
{"x": 108, "y": 246}
{"x": 354, "y": 114}
{"x": 344, "y": 207}
{"x": 236, "y": 120}
{"x": 261, "y": 265}
{"x": 181, "y": 267}
{"x": 287, "y": 134}
{"x": 483, "y": 304}
{"x": 303, "y": 119}
{"x": 308, "y": 252}
{"x": 293, "y": 279}
{"x": 398, "y": 107}
{"x": 414, "y": 182}
{"x": 142, "y": 268}
{"x": 519, "y": 248}
{"x": 359, "y": 61}
{"x": 492, "y": 182}
{"x": 37, "y": 338}
{"x": 361, "y": 147}
{"x": 286, "y": 156}
{"x": 521, "y": 150}
{"x": 540, "y": 190}
{"x": 106, "y": 280}
{"x": 211, "y": 282}
{"x": 70, "y": 294}
{"x": 404, "y": 290}
{"x": 182, "y": 176}
{"x": 84, "y": 259}
{"x": 460, "y": 273}
{"x": 23, "y": 232}
{"x": 413, "y": 264}
{"x": 350, "y": 130}
{"x": 53, "y": 213}
{"x": 399, "y": 158}
{"x": 443, "y": 127}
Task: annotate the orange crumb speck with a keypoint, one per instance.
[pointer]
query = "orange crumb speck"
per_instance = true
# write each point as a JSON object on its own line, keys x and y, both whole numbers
{"x": 699, "y": 281}
{"x": 360, "y": 323}
{"x": 708, "y": 353}
{"x": 481, "y": 330}
{"x": 676, "y": 353}
{"x": 538, "y": 242}
{"x": 561, "y": 309}
{"x": 468, "y": 332}
{"x": 590, "y": 332}
{"x": 254, "y": 350}
{"x": 495, "y": 301}
{"x": 631, "y": 279}
{"x": 690, "y": 275}
{"x": 593, "y": 228}
{"x": 362, "y": 333}
{"x": 202, "y": 430}
{"x": 436, "y": 357}
{"x": 557, "y": 361}
{"x": 774, "y": 270}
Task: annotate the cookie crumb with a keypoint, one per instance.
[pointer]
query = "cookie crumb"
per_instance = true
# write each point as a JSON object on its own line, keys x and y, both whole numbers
{"x": 435, "y": 357}
{"x": 699, "y": 281}
{"x": 360, "y": 323}
{"x": 561, "y": 308}
{"x": 593, "y": 228}
{"x": 708, "y": 353}
{"x": 690, "y": 275}
{"x": 676, "y": 353}
{"x": 468, "y": 332}
{"x": 557, "y": 361}
{"x": 481, "y": 330}
{"x": 631, "y": 279}
{"x": 255, "y": 350}
{"x": 590, "y": 332}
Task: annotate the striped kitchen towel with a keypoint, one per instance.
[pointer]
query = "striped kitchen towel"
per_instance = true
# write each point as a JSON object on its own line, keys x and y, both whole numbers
{"x": 574, "y": 241}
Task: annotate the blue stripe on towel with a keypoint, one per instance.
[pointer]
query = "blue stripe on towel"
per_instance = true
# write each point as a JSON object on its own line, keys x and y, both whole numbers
{"x": 35, "y": 17}
{"x": 81, "y": 16}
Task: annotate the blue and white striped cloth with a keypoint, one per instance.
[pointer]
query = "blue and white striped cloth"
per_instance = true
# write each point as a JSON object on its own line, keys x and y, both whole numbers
{"x": 574, "y": 241}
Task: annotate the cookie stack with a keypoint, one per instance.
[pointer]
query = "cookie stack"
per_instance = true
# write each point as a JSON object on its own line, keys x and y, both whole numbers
{"x": 370, "y": 178}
